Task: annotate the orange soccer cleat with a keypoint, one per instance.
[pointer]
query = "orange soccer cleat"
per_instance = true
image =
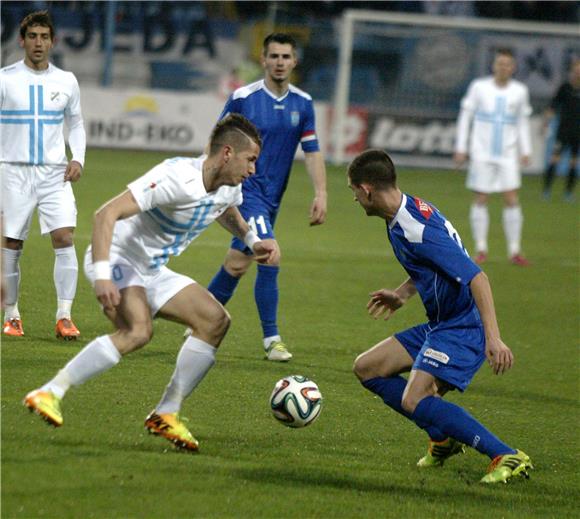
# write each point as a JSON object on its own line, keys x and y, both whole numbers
{"x": 13, "y": 327}
{"x": 66, "y": 330}
{"x": 519, "y": 260}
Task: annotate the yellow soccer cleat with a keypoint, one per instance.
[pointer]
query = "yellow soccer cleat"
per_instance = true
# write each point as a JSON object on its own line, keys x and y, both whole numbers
{"x": 13, "y": 327}
{"x": 173, "y": 429}
{"x": 439, "y": 452}
{"x": 46, "y": 405}
{"x": 507, "y": 466}
{"x": 278, "y": 352}
{"x": 66, "y": 330}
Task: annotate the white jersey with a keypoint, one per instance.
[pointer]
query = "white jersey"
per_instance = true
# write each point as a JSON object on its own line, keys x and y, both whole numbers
{"x": 33, "y": 108}
{"x": 176, "y": 209}
{"x": 500, "y": 117}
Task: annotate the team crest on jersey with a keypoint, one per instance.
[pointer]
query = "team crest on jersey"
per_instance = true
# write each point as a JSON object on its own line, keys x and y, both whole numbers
{"x": 425, "y": 209}
{"x": 294, "y": 118}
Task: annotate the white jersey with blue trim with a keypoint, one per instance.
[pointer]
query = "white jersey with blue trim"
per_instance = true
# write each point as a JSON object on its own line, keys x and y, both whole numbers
{"x": 430, "y": 250}
{"x": 176, "y": 210}
{"x": 500, "y": 117}
{"x": 33, "y": 108}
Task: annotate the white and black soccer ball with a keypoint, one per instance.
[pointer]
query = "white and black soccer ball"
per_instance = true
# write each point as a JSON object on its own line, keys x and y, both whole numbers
{"x": 296, "y": 401}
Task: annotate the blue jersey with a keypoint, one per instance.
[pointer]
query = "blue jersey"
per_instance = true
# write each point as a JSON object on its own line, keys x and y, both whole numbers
{"x": 283, "y": 122}
{"x": 430, "y": 250}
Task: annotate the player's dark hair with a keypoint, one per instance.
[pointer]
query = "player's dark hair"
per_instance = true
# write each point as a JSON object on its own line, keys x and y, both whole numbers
{"x": 373, "y": 167}
{"x": 41, "y": 18}
{"x": 236, "y": 131}
{"x": 279, "y": 37}
{"x": 504, "y": 51}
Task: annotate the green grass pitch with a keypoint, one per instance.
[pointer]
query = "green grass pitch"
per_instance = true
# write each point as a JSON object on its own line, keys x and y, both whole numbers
{"x": 358, "y": 460}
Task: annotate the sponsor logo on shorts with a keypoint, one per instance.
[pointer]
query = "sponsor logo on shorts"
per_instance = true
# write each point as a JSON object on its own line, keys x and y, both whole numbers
{"x": 437, "y": 355}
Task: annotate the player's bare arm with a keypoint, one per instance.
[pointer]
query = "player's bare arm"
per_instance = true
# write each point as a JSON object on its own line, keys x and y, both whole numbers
{"x": 265, "y": 251}
{"x": 73, "y": 171}
{"x": 316, "y": 168}
{"x": 120, "y": 207}
{"x": 499, "y": 356}
{"x": 386, "y": 301}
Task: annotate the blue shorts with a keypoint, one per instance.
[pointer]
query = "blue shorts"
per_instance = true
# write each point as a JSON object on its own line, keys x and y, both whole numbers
{"x": 452, "y": 353}
{"x": 261, "y": 217}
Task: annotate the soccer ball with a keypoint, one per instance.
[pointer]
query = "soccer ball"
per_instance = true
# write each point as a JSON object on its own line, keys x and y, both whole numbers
{"x": 296, "y": 401}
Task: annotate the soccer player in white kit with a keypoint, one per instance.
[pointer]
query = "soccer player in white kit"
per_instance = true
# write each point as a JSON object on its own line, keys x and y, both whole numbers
{"x": 494, "y": 121}
{"x": 36, "y": 98}
{"x": 134, "y": 235}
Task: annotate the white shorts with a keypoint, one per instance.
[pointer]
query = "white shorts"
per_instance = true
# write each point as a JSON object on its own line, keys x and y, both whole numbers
{"x": 493, "y": 177}
{"x": 159, "y": 287}
{"x": 25, "y": 188}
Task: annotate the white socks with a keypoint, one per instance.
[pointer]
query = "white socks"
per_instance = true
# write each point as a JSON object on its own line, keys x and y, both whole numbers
{"x": 194, "y": 360}
{"x": 513, "y": 221}
{"x": 96, "y": 357}
{"x": 479, "y": 219}
{"x": 10, "y": 259}
{"x": 66, "y": 270}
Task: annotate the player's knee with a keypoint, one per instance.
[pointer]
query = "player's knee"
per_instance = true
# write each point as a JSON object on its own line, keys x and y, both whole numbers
{"x": 13, "y": 244}
{"x": 363, "y": 368}
{"x": 140, "y": 335}
{"x": 212, "y": 326}
{"x": 409, "y": 403}
{"x": 236, "y": 269}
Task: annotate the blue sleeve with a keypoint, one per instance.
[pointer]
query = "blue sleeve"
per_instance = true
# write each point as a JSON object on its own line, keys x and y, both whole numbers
{"x": 442, "y": 249}
{"x": 308, "y": 139}
{"x": 232, "y": 106}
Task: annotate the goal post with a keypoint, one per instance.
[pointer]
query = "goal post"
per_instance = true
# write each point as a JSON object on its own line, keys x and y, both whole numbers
{"x": 421, "y": 40}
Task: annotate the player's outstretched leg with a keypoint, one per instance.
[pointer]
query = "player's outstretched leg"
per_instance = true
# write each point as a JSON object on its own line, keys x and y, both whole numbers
{"x": 456, "y": 423}
{"x": 508, "y": 466}
{"x": 171, "y": 427}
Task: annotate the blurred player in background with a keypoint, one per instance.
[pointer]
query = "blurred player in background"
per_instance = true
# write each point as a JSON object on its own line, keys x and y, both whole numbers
{"x": 35, "y": 99}
{"x": 284, "y": 115}
{"x": 446, "y": 352}
{"x": 134, "y": 235}
{"x": 566, "y": 103}
{"x": 499, "y": 140}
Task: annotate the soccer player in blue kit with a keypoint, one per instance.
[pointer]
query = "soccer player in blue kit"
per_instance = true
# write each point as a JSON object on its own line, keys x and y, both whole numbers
{"x": 284, "y": 115}
{"x": 462, "y": 330}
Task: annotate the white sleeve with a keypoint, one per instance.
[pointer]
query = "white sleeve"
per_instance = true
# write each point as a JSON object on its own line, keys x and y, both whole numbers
{"x": 525, "y": 141}
{"x": 77, "y": 138}
{"x": 468, "y": 108}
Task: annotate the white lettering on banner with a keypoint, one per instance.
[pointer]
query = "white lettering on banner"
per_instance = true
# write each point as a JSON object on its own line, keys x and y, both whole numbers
{"x": 149, "y": 120}
{"x": 431, "y": 137}
{"x": 154, "y": 134}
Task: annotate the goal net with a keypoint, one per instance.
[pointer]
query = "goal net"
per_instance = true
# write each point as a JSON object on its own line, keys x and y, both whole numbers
{"x": 414, "y": 69}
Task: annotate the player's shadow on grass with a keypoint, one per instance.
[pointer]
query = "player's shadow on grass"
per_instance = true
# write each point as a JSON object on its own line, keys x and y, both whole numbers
{"x": 313, "y": 478}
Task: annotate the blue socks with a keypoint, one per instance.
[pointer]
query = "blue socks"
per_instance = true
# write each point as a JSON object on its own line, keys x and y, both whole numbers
{"x": 266, "y": 295}
{"x": 454, "y": 421}
{"x": 439, "y": 419}
{"x": 391, "y": 391}
{"x": 223, "y": 285}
